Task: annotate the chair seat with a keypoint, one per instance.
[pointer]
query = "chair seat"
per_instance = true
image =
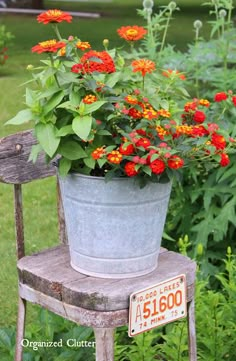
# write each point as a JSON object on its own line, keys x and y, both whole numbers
{"x": 49, "y": 272}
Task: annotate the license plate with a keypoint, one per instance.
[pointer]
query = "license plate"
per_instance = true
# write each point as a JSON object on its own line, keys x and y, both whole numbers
{"x": 157, "y": 305}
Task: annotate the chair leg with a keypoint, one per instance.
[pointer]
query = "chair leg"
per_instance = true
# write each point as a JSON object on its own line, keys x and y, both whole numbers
{"x": 104, "y": 344}
{"x": 20, "y": 329}
{"x": 192, "y": 331}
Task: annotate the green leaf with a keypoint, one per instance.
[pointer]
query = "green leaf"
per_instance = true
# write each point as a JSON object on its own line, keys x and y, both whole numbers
{"x": 103, "y": 132}
{"x": 90, "y": 108}
{"x": 24, "y": 116}
{"x": 74, "y": 98}
{"x": 64, "y": 166}
{"x": 82, "y": 125}
{"x": 164, "y": 104}
{"x": 101, "y": 162}
{"x": 113, "y": 79}
{"x": 46, "y": 135}
{"x": 66, "y": 130}
{"x": 72, "y": 150}
{"x": 90, "y": 162}
{"x": 53, "y": 102}
{"x": 35, "y": 150}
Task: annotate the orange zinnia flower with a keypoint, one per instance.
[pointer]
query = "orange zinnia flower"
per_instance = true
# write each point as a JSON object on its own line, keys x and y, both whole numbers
{"x": 143, "y": 65}
{"x": 48, "y": 46}
{"x": 132, "y": 33}
{"x": 83, "y": 45}
{"x": 54, "y": 16}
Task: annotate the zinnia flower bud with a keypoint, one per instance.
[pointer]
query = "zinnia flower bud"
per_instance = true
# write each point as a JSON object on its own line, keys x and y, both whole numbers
{"x": 105, "y": 43}
{"x": 229, "y": 250}
{"x": 197, "y": 24}
{"x": 200, "y": 249}
{"x": 30, "y": 67}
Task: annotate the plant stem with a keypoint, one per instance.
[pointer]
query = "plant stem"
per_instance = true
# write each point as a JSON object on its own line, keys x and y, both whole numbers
{"x": 165, "y": 31}
{"x": 55, "y": 75}
{"x": 217, "y": 17}
{"x": 57, "y": 32}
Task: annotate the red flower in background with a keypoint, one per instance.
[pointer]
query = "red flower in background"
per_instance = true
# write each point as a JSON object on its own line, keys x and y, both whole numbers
{"x": 199, "y": 116}
{"x": 48, "y": 46}
{"x": 234, "y": 100}
{"x": 224, "y": 159}
{"x": 54, "y": 16}
{"x": 219, "y": 97}
{"x": 104, "y": 64}
{"x": 218, "y": 141}
{"x": 132, "y": 33}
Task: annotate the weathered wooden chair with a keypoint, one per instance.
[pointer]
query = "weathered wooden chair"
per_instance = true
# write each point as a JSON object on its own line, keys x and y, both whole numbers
{"x": 47, "y": 279}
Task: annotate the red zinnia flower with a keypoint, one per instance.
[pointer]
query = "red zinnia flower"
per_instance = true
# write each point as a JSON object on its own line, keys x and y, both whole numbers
{"x": 105, "y": 63}
{"x": 199, "y": 116}
{"x": 54, "y": 16}
{"x": 224, "y": 159}
{"x": 132, "y": 33}
{"x": 143, "y": 65}
{"x": 49, "y": 46}
{"x": 126, "y": 149}
{"x": 175, "y": 162}
{"x": 130, "y": 170}
{"x": 219, "y": 97}
{"x": 157, "y": 166}
{"x": 218, "y": 141}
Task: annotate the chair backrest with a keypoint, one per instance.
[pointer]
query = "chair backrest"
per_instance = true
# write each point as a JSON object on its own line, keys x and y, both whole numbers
{"x": 16, "y": 169}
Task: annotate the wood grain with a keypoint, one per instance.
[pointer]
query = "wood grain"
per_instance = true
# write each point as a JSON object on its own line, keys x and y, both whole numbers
{"x": 15, "y": 166}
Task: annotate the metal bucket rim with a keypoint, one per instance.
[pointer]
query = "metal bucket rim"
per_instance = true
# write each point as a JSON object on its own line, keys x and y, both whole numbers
{"x": 77, "y": 174}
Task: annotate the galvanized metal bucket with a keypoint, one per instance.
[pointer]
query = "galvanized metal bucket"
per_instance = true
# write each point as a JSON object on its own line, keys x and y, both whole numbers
{"x": 114, "y": 228}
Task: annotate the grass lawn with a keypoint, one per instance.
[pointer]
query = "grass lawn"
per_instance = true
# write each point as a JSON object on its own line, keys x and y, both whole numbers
{"x": 39, "y": 199}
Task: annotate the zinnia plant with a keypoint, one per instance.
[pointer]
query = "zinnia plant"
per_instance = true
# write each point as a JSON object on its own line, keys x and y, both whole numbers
{"x": 106, "y": 114}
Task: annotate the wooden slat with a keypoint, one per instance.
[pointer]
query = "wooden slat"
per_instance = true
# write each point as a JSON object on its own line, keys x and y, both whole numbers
{"x": 72, "y": 313}
{"x": 14, "y": 165}
{"x": 42, "y": 271}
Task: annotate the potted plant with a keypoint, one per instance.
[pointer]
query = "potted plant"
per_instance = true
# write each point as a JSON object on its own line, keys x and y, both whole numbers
{"x": 122, "y": 129}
